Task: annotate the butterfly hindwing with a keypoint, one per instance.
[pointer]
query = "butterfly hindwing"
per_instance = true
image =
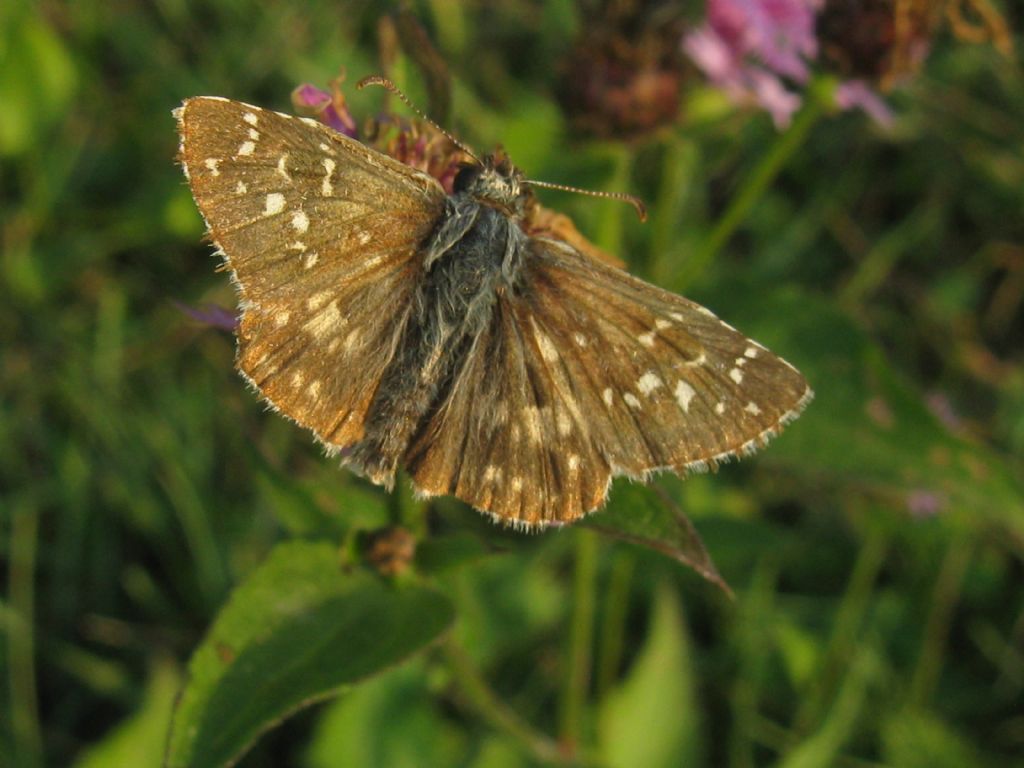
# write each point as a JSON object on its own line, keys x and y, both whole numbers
{"x": 320, "y": 233}
{"x": 587, "y": 372}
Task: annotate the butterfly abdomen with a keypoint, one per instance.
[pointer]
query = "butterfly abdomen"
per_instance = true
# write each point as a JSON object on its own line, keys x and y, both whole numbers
{"x": 453, "y": 304}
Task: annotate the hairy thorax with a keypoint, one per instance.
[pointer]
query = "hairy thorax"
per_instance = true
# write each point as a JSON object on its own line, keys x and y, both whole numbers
{"x": 476, "y": 251}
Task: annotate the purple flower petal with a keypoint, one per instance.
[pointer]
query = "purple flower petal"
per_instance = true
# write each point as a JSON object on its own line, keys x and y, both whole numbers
{"x": 755, "y": 50}
{"x": 211, "y": 314}
{"x": 330, "y": 109}
{"x": 923, "y": 503}
{"x": 857, "y": 93}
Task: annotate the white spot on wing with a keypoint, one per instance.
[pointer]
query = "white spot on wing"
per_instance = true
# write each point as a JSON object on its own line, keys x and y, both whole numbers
{"x": 684, "y": 394}
{"x": 326, "y": 321}
{"x": 247, "y": 148}
{"x": 250, "y": 118}
{"x": 631, "y": 400}
{"x": 648, "y": 383}
{"x": 647, "y": 339}
{"x": 317, "y": 300}
{"x": 750, "y": 352}
{"x": 254, "y": 134}
{"x": 564, "y": 424}
{"x": 574, "y": 462}
{"x": 211, "y": 163}
{"x": 752, "y": 408}
{"x": 241, "y": 188}
{"x": 326, "y": 188}
{"x": 300, "y": 221}
{"x": 517, "y": 484}
{"x": 736, "y": 375}
{"x": 282, "y": 167}
{"x": 531, "y": 417}
{"x": 719, "y": 407}
{"x": 281, "y": 319}
{"x": 676, "y": 316}
{"x": 581, "y": 340}
{"x": 661, "y": 324}
{"x": 314, "y": 389}
{"x": 310, "y": 259}
{"x": 274, "y": 205}
{"x": 608, "y": 396}
{"x": 547, "y": 348}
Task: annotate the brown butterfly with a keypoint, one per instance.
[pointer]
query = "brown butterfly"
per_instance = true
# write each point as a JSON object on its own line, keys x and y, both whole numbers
{"x": 408, "y": 327}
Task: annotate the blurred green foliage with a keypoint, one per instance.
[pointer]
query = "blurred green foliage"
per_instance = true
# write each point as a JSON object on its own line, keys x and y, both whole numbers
{"x": 875, "y": 549}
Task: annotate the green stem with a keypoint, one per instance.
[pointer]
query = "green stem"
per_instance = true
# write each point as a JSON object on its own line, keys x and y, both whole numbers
{"x": 613, "y": 222}
{"x": 948, "y": 587}
{"x": 407, "y": 510}
{"x": 25, "y": 729}
{"x": 613, "y": 628}
{"x": 581, "y": 640}
{"x": 680, "y": 170}
{"x": 753, "y": 190}
{"x": 480, "y": 697}
{"x": 845, "y": 639}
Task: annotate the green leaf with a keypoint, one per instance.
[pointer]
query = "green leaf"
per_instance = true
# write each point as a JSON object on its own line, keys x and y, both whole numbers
{"x": 398, "y": 702}
{"x": 651, "y": 719}
{"x": 650, "y": 518}
{"x": 913, "y": 739}
{"x": 868, "y": 429}
{"x": 299, "y": 629}
{"x": 139, "y": 740}
{"x": 39, "y": 80}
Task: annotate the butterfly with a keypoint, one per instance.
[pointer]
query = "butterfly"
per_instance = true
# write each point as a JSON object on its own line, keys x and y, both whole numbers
{"x": 408, "y": 327}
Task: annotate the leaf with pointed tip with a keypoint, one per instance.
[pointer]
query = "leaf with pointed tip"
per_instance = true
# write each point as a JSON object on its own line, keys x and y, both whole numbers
{"x": 297, "y": 631}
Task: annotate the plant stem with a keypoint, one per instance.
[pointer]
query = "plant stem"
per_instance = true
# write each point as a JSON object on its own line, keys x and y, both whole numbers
{"x": 581, "y": 640}
{"x": 752, "y": 191}
{"x": 485, "y": 701}
{"x": 24, "y": 540}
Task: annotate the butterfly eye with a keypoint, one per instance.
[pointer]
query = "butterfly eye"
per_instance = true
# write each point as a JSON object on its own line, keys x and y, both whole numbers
{"x": 465, "y": 177}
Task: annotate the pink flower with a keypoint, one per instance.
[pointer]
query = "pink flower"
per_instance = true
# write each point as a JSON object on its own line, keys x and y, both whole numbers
{"x": 749, "y": 48}
{"x": 758, "y": 51}
{"x": 329, "y": 108}
{"x": 857, "y": 93}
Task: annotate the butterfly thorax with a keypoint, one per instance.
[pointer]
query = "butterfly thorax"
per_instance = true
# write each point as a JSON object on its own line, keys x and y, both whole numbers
{"x": 475, "y": 252}
{"x": 495, "y": 182}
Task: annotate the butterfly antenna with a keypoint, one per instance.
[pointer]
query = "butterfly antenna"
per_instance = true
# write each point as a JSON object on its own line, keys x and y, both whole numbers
{"x": 636, "y": 202}
{"x": 389, "y": 86}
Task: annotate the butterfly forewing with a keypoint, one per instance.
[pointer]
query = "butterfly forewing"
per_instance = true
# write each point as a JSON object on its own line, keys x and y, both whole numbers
{"x": 589, "y": 373}
{"x": 322, "y": 236}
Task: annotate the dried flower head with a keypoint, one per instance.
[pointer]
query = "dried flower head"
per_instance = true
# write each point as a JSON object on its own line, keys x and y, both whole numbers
{"x": 623, "y": 77}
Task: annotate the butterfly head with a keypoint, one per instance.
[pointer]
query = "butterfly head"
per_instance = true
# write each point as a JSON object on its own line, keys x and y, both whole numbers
{"x": 495, "y": 181}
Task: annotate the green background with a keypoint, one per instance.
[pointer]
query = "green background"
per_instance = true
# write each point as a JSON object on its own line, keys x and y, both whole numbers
{"x": 874, "y": 550}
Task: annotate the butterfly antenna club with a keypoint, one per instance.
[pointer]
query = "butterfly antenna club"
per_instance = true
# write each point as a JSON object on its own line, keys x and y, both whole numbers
{"x": 636, "y": 202}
